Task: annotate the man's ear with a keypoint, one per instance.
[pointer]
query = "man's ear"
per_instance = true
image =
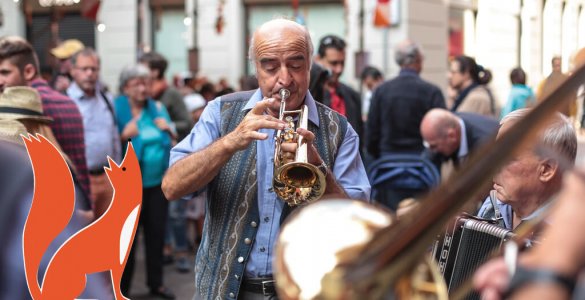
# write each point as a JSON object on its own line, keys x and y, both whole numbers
{"x": 547, "y": 169}
{"x": 452, "y": 134}
{"x": 29, "y": 72}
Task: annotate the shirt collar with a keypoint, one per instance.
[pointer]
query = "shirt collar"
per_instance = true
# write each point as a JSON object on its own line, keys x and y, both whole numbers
{"x": 407, "y": 72}
{"x": 74, "y": 91}
{"x": 463, "y": 147}
{"x": 539, "y": 211}
{"x": 309, "y": 101}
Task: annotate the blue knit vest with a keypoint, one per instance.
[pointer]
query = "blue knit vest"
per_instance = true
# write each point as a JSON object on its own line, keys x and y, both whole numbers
{"x": 232, "y": 214}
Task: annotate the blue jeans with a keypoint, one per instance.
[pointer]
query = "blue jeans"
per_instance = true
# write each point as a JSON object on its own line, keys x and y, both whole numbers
{"x": 177, "y": 225}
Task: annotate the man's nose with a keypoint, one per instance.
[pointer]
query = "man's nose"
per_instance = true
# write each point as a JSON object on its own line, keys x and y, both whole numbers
{"x": 284, "y": 77}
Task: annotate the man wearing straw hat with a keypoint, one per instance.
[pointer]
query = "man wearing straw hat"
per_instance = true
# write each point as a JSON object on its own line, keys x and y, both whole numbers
{"x": 64, "y": 52}
{"x": 16, "y": 192}
{"x": 19, "y": 66}
{"x": 23, "y": 104}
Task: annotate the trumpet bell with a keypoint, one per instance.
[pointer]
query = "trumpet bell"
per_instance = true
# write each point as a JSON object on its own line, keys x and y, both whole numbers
{"x": 300, "y": 175}
{"x": 299, "y": 183}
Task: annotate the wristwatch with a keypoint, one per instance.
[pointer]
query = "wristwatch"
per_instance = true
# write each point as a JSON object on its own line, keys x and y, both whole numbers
{"x": 524, "y": 276}
{"x": 323, "y": 168}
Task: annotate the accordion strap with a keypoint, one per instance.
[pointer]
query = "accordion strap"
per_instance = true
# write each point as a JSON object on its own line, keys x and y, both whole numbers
{"x": 497, "y": 214}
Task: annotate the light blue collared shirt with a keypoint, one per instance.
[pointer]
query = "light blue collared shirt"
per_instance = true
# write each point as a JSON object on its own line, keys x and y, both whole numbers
{"x": 507, "y": 212}
{"x": 348, "y": 170}
{"x": 100, "y": 131}
{"x": 463, "y": 147}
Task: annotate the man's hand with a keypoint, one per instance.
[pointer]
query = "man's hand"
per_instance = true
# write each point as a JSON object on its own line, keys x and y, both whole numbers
{"x": 492, "y": 279}
{"x": 313, "y": 156}
{"x": 247, "y": 131}
{"x": 62, "y": 82}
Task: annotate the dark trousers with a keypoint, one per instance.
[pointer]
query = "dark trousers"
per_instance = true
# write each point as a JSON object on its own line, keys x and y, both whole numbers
{"x": 153, "y": 220}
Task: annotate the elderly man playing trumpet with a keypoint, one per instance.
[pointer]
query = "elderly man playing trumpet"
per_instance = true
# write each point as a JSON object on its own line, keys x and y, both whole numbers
{"x": 229, "y": 153}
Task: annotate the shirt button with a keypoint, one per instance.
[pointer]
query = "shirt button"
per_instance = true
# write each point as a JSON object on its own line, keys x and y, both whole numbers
{"x": 262, "y": 249}
{"x": 270, "y": 190}
{"x": 254, "y": 224}
{"x": 241, "y": 259}
{"x": 232, "y": 295}
{"x": 266, "y": 219}
{"x": 247, "y": 241}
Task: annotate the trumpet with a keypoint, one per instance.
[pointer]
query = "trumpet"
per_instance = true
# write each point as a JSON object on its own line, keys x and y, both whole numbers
{"x": 295, "y": 181}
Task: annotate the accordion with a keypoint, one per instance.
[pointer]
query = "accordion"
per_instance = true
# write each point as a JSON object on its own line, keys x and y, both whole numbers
{"x": 466, "y": 244}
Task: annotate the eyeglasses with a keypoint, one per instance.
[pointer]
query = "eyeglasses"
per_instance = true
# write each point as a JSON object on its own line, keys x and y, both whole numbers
{"x": 85, "y": 69}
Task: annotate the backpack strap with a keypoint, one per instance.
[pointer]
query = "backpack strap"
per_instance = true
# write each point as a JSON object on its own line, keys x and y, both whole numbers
{"x": 109, "y": 105}
{"x": 492, "y": 100}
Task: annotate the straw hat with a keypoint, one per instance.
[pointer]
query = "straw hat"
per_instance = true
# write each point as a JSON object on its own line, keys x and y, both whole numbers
{"x": 10, "y": 130}
{"x": 67, "y": 48}
{"x": 22, "y": 103}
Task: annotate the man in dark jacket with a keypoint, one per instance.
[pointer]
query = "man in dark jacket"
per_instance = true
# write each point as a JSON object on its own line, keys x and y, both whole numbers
{"x": 398, "y": 106}
{"x": 453, "y": 136}
{"x": 340, "y": 97}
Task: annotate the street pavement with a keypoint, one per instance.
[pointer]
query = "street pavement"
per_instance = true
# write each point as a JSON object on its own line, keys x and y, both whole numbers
{"x": 182, "y": 284}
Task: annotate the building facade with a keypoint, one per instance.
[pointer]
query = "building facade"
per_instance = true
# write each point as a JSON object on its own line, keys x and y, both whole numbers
{"x": 211, "y": 36}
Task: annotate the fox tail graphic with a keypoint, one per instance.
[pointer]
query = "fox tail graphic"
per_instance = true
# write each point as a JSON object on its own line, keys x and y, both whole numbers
{"x": 47, "y": 217}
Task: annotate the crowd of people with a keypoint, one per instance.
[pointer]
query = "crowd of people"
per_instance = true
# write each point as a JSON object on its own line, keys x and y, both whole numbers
{"x": 205, "y": 150}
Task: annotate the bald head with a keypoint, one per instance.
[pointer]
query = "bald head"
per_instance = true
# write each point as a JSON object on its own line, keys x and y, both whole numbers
{"x": 440, "y": 128}
{"x": 277, "y": 31}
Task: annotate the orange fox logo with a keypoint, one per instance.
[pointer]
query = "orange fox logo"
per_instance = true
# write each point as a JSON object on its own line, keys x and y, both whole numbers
{"x": 105, "y": 243}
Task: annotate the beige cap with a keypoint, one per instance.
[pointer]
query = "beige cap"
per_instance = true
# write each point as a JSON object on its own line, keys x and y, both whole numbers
{"x": 67, "y": 48}
{"x": 22, "y": 103}
{"x": 10, "y": 130}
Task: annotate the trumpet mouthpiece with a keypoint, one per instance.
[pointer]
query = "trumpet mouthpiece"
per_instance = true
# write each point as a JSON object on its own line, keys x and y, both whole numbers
{"x": 284, "y": 93}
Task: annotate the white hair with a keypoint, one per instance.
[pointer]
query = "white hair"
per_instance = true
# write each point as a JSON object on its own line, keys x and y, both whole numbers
{"x": 406, "y": 53}
{"x": 559, "y": 134}
{"x": 131, "y": 72}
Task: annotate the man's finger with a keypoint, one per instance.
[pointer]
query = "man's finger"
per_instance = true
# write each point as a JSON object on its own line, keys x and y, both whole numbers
{"x": 307, "y": 134}
{"x": 288, "y": 147}
{"x": 258, "y": 135}
{"x": 261, "y": 106}
{"x": 268, "y": 124}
